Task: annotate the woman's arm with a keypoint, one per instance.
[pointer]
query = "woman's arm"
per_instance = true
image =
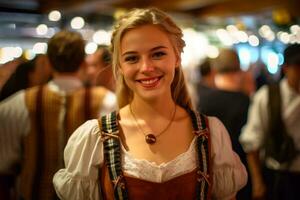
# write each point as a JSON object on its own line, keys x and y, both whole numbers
{"x": 83, "y": 157}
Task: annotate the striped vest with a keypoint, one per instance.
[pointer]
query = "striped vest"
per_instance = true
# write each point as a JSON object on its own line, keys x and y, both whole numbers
{"x": 53, "y": 119}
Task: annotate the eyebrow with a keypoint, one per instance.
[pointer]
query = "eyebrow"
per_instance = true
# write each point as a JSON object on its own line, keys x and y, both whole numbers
{"x": 153, "y": 49}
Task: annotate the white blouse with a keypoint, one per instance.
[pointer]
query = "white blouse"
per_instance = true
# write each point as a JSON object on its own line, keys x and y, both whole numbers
{"x": 254, "y": 132}
{"x": 84, "y": 156}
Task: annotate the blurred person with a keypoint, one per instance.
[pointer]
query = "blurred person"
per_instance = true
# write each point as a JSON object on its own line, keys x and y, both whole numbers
{"x": 206, "y": 84}
{"x": 37, "y": 122}
{"x": 99, "y": 69}
{"x": 228, "y": 102}
{"x": 207, "y": 79}
{"x": 155, "y": 146}
{"x": 207, "y": 74}
{"x": 230, "y": 76}
{"x": 7, "y": 69}
{"x": 27, "y": 74}
{"x": 271, "y": 136}
{"x": 261, "y": 75}
{"x": 248, "y": 83}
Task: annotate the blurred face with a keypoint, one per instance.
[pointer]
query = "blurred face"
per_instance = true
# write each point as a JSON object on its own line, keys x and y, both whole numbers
{"x": 293, "y": 76}
{"x": 148, "y": 61}
{"x": 95, "y": 68}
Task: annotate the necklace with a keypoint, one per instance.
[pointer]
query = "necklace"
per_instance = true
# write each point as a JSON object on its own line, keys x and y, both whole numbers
{"x": 150, "y": 138}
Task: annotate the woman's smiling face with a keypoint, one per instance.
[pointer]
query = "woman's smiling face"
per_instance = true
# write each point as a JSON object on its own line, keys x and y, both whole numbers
{"x": 148, "y": 62}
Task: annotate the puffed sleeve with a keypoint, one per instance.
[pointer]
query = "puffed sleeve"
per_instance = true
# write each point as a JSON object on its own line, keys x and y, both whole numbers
{"x": 83, "y": 158}
{"x": 229, "y": 174}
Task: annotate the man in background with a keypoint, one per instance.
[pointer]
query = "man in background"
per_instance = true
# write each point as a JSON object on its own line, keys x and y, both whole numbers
{"x": 228, "y": 102}
{"x": 99, "y": 69}
{"x": 37, "y": 122}
{"x": 27, "y": 74}
{"x": 207, "y": 74}
{"x": 272, "y": 179}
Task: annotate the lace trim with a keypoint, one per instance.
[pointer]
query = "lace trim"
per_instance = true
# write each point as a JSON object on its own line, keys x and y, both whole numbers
{"x": 150, "y": 171}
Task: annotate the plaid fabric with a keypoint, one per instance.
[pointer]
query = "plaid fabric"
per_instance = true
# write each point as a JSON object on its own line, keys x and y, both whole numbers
{"x": 112, "y": 154}
{"x": 201, "y": 129}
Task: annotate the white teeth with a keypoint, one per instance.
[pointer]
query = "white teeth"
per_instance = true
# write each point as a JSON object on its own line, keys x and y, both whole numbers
{"x": 150, "y": 81}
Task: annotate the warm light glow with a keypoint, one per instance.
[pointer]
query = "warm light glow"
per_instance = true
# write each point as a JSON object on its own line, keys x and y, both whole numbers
{"x": 42, "y": 29}
{"x": 272, "y": 62}
{"x": 253, "y": 40}
{"x": 29, "y": 54}
{"x": 6, "y": 54}
{"x": 77, "y": 23}
{"x": 119, "y": 12}
{"x": 212, "y": 51}
{"x": 40, "y": 48}
{"x": 90, "y": 48}
{"x": 18, "y": 52}
{"x": 242, "y": 36}
{"x": 224, "y": 37}
{"x": 102, "y": 37}
{"x": 54, "y": 15}
{"x": 270, "y": 36}
{"x": 264, "y": 30}
{"x": 295, "y": 29}
{"x": 284, "y": 37}
{"x": 195, "y": 49}
{"x": 293, "y": 39}
{"x": 232, "y": 28}
{"x": 245, "y": 57}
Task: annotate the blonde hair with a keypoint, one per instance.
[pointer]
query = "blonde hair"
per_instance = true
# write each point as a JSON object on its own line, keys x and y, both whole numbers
{"x": 136, "y": 18}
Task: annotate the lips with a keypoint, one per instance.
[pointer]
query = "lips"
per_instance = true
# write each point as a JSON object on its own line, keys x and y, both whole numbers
{"x": 150, "y": 82}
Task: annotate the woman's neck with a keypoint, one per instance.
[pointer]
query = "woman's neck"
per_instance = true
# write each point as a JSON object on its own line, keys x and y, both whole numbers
{"x": 148, "y": 109}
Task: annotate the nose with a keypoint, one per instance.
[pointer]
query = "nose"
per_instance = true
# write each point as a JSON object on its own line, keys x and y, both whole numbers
{"x": 147, "y": 65}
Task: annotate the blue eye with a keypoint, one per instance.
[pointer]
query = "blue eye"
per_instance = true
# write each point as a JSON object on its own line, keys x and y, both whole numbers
{"x": 131, "y": 59}
{"x": 158, "y": 54}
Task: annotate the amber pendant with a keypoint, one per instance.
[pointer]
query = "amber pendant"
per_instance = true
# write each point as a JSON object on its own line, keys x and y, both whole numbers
{"x": 150, "y": 138}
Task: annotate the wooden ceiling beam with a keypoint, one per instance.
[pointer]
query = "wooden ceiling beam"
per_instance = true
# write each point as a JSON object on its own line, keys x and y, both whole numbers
{"x": 85, "y": 6}
{"x": 179, "y": 5}
{"x": 185, "y": 5}
{"x": 237, "y": 7}
{"x": 199, "y": 8}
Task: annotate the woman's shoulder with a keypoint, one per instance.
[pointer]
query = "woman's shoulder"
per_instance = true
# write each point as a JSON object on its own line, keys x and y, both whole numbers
{"x": 89, "y": 130}
{"x": 216, "y": 127}
{"x": 212, "y": 121}
{"x": 215, "y": 122}
{"x": 85, "y": 142}
{"x": 217, "y": 131}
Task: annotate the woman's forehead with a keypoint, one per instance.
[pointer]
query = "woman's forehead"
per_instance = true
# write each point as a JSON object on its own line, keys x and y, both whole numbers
{"x": 144, "y": 37}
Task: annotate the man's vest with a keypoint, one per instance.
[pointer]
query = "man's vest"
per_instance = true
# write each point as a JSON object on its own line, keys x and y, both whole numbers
{"x": 51, "y": 126}
{"x": 279, "y": 145}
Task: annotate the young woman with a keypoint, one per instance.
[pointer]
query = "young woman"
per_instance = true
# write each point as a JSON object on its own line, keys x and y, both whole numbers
{"x": 154, "y": 146}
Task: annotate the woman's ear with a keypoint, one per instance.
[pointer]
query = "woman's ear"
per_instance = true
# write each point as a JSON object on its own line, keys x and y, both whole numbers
{"x": 178, "y": 62}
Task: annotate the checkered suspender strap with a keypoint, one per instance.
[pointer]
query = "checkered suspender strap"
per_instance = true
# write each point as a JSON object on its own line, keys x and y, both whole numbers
{"x": 201, "y": 129}
{"x": 112, "y": 154}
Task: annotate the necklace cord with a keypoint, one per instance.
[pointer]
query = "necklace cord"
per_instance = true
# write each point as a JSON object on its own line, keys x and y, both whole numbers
{"x": 160, "y": 133}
